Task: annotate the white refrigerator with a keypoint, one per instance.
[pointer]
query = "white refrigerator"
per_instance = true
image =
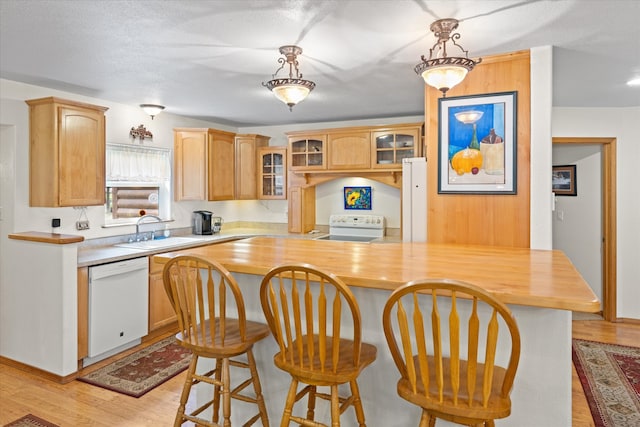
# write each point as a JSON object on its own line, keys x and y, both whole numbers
{"x": 414, "y": 199}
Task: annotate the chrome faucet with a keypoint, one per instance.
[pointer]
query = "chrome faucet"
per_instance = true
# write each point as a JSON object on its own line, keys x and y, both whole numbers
{"x": 141, "y": 220}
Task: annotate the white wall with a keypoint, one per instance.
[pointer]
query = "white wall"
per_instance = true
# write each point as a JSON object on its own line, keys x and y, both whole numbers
{"x": 540, "y": 191}
{"x": 385, "y": 200}
{"x": 624, "y": 125}
{"x": 577, "y": 220}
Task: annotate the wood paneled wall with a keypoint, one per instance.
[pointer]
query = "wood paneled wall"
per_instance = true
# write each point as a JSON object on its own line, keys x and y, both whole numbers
{"x": 500, "y": 220}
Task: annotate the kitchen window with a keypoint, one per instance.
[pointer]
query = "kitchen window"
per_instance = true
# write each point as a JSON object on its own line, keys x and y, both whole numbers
{"x": 138, "y": 183}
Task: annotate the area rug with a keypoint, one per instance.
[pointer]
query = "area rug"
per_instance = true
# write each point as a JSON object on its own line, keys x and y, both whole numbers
{"x": 140, "y": 372}
{"x": 610, "y": 377}
{"x": 30, "y": 420}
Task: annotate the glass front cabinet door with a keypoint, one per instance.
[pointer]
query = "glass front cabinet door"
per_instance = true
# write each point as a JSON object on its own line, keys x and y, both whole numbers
{"x": 307, "y": 152}
{"x": 272, "y": 179}
{"x": 391, "y": 146}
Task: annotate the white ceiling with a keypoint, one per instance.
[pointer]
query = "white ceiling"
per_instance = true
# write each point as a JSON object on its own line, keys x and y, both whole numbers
{"x": 207, "y": 59}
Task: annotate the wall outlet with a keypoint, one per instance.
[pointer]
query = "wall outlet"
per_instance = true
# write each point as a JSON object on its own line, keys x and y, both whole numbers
{"x": 82, "y": 225}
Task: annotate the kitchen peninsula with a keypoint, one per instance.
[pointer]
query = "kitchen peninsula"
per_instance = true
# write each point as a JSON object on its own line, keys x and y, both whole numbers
{"x": 540, "y": 286}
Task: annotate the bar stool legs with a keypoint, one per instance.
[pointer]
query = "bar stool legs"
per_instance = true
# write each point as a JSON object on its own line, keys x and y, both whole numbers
{"x": 220, "y": 378}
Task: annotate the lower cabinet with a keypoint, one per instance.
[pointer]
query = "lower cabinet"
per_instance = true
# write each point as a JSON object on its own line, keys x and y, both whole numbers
{"x": 83, "y": 312}
{"x": 161, "y": 311}
{"x": 302, "y": 209}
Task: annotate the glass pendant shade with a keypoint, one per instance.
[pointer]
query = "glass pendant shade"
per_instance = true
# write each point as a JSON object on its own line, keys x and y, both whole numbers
{"x": 152, "y": 109}
{"x": 291, "y": 93}
{"x": 444, "y": 78}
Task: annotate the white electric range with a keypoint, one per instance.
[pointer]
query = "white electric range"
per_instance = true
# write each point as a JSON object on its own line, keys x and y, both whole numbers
{"x": 355, "y": 228}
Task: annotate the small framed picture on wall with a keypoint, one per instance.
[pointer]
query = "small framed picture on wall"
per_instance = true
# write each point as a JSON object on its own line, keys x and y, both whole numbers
{"x": 564, "y": 181}
{"x": 357, "y": 198}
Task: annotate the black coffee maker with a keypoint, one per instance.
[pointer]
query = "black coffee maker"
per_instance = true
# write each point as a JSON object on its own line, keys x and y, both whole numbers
{"x": 201, "y": 222}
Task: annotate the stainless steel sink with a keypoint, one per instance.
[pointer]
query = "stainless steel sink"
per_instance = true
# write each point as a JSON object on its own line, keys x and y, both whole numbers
{"x": 160, "y": 243}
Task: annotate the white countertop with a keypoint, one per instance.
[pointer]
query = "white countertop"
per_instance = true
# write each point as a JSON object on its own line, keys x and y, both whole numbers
{"x": 94, "y": 255}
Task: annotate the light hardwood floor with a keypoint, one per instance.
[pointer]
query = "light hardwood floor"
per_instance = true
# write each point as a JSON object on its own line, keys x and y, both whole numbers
{"x": 80, "y": 404}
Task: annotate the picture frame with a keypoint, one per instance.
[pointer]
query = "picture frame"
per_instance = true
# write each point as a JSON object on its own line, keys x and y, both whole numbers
{"x": 357, "y": 198}
{"x": 477, "y": 144}
{"x": 564, "y": 180}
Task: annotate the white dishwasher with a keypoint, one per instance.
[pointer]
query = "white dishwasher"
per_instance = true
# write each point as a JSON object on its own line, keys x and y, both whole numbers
{"x": 118, "y": 304}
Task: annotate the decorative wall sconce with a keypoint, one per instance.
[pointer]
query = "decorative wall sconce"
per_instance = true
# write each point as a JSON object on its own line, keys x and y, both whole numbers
{"x": 441, "y": 71}
{"x": 293, "y": 89}
{"x": 140, "y": 132}
{"x": 152, "y": 109}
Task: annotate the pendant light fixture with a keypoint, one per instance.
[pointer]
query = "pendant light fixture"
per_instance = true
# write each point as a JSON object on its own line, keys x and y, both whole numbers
{"x": 152, "y": 109}
{"x": 293, "y": 89}
{"x": 441, "y": 71}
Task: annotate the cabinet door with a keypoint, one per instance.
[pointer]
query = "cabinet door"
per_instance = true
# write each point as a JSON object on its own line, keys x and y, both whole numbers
{"x": 83, "y": 312}
{"x": 81, "y": 154}
{"x": 302, "y": 209}
{"x": 390, "y": 147}
{"x": 190, "y": 166}
{"x": 161, "y": 311}
{"x": 272, "y": 167}
{"x": 66, "y": 153}
{"x": 247, "y": 174}
{"x": 349, "y": 151}
{"x": 221, "y": 166}
{"x": 307, "y": 152}
{"x": 295, "y": 210}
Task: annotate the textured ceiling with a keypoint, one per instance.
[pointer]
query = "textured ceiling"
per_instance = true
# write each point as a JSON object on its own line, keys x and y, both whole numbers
{"x": 207, "y": 59}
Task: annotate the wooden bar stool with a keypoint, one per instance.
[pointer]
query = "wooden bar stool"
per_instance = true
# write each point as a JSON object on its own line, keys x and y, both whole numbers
{"x": 419, "y": 319}
{"x": 202, "y": 293}
{"x": 308, "y": 312}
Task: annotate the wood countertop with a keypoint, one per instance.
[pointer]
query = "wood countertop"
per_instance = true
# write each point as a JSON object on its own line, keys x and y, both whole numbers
{"x": 536, "y": 278}
{"x": 53, "y": 238}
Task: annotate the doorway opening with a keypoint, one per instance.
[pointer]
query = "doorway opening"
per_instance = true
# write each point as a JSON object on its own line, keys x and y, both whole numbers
{"x": 609, "y": 285}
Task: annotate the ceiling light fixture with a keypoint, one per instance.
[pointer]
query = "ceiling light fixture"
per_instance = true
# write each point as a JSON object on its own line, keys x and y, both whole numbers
{"x": 152, "y": 109}
{"x": 441, "y": 71}
{"x": 293, "y": 89}
{"x": 634, "y": 82}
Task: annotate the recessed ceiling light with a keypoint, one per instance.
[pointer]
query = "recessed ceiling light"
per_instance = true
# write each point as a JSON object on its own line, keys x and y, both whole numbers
{"x": 634, "y": 82}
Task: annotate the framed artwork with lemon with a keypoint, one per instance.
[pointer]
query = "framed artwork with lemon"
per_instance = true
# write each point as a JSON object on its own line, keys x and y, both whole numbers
{"x": 358, "y": 198}
{"x": 477, "y": 144}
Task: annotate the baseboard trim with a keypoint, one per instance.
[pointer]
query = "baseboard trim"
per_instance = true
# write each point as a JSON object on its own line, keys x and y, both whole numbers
{"x": 628, "y": 320}
{"x": 37, "y": 371}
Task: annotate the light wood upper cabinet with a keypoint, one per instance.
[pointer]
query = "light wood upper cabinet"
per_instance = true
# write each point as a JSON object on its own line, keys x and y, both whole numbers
{"x": 247, "y": 173}
{"x": 212, "y": 164}
{"x": 349, "y": 150}
{"x": 67, "y": 153}
{"x": 204, "y": 164}
{"x": 190, "y": 165}
{"x": 222, "y": 169}
{"x": 390, "y": 146}
{"x": 354, "y": 149}
{"x": 272, "y": 173}
{"x": 307, "y": 152}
